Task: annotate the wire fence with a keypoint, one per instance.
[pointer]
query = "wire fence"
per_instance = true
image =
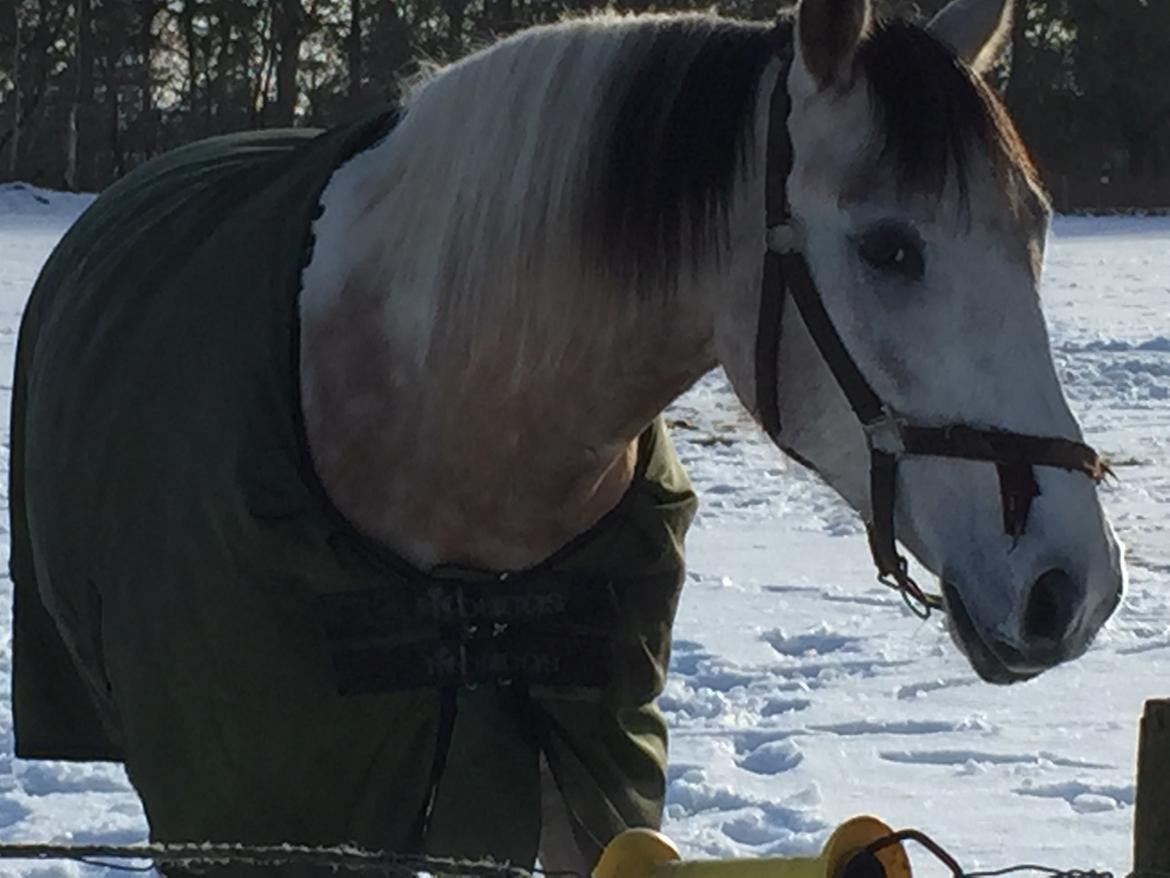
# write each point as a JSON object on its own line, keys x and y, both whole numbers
{"x": 351, "y": 860}
{"x": 196, "y": 858}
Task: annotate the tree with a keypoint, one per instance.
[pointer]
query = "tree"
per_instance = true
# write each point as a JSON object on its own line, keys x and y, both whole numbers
{"x": 78, "y": 139}
{"x": 353, "y": 52}
{"x": 90, "y": 88}
{"x": 16, "y": 28}
{"x": 1119, "y": 62}
{"x": 289, "y": 26}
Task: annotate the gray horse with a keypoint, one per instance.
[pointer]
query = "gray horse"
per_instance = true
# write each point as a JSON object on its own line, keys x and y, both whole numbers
{"x": 341, "y": 505}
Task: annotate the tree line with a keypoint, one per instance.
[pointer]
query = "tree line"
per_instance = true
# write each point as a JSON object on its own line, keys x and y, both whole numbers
{"x": 91, "y": 88}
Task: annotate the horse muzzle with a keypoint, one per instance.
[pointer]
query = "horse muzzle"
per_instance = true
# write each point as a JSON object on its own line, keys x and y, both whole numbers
{"x": 1052, "y": 630}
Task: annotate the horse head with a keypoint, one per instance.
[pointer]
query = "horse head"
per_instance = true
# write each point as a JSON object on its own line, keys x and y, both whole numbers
{"x": 923, "y": 224}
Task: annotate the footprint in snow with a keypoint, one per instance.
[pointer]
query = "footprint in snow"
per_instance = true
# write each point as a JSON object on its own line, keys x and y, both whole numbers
{"x": 917, "y": 690}
{"x": 817, "y": 672}
{"x": 677, "y": 770}
{"x": 721, "y": 488}
{"x": 777, "y": 706}
{"x": 1143, "y": 647}
{"x": 46, "y": 778}
{"x": 682, "y": 701}
{"x": 685, "y": 656}
{"x": 12, "y": 811}
{"x": 773, "y": 757}
{"x": 1084, "y": 798}
{"x": 723, "y": 678}
{"x": 1090, "y": 803}
{"x": 820, "y": 641}
{"x": 863, "y": 600}
{"x": 903, "y": 727}
{"x": 748, "y": 740}
{"x": 751, "y": 829}
{"x": 780, "y": 827}
{"x": 689, "y": 659}
{"x": 960, "y": 758}
{"x": 792, "y": 589}
{"x": 691, "y": 793}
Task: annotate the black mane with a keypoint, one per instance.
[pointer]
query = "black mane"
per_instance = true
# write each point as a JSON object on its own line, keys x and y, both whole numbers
{"x": 679, "y": 128}
{"x": 931, "y": 110}
{"x": 665, "y": 160}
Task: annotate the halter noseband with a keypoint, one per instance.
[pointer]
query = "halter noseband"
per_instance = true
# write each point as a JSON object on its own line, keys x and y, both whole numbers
{"x": 888, "y": 437}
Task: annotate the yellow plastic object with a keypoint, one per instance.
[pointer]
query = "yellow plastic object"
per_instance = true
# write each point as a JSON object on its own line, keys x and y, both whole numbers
{"x": 643, "y": 853}
{"x": 636, "y": 853}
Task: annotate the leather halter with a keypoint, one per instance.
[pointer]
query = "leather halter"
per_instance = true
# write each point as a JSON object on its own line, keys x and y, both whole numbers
{"x": 888, "y": 436}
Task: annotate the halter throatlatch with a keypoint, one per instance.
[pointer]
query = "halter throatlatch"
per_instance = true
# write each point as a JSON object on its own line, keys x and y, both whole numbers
{"x": 888, "y": 437}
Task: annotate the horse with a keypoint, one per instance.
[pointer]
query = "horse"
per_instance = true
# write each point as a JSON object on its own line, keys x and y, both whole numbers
{"x": 342, "y": 505}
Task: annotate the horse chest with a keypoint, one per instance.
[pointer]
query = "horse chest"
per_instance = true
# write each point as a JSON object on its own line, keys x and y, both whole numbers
{"x": 445, "y": 468}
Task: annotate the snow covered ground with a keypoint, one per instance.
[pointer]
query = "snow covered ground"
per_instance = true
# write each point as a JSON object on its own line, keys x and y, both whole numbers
{"x": 802, "y": 692}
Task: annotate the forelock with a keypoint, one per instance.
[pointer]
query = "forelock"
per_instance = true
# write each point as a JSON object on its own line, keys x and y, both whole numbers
{"x": 934, "y": 115}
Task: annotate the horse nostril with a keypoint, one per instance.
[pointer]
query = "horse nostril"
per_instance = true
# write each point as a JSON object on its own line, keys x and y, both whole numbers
{"x": 1051, "y": 607}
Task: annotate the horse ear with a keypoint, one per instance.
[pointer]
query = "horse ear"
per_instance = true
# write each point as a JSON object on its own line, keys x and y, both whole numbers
{"x": 978, "y": 30}
{"x": 828, "y": 34}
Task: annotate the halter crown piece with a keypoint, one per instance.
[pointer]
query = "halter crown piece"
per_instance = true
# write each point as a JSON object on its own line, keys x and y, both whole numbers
{"x": 888, "y": 436}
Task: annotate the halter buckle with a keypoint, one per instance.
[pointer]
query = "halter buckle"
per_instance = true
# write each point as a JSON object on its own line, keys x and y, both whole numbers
{"x": 783, "y": 239}
{"x": 884, "y": 434}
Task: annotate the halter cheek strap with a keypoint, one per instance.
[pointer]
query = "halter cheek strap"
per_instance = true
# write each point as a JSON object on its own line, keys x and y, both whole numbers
{"x": 889, "y": 438}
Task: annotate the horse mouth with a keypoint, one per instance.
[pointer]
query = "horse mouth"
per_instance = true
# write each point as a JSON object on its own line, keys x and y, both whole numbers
{"x": 992, "y": 661}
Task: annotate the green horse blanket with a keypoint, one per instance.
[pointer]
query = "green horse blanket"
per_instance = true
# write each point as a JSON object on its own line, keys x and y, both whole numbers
{"x": 174, "y": 555}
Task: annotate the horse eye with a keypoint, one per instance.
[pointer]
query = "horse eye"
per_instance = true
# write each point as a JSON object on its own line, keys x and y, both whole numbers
{"x": 893, "y": 250}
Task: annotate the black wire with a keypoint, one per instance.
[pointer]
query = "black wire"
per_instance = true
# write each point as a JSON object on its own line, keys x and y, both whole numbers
{"x": 940, "y": 853}
{"x": 944, "y": 856}
{"x": 513, "y": 871}
{"x": 1046, "y": 870}
{"x": 408, "y": 866}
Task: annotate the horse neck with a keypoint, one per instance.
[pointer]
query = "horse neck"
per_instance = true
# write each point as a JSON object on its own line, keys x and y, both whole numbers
{"x": 462, "y": 411}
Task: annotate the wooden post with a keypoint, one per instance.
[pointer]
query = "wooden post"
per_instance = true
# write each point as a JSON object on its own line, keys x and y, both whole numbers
{"x": 1151, "y": 822}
